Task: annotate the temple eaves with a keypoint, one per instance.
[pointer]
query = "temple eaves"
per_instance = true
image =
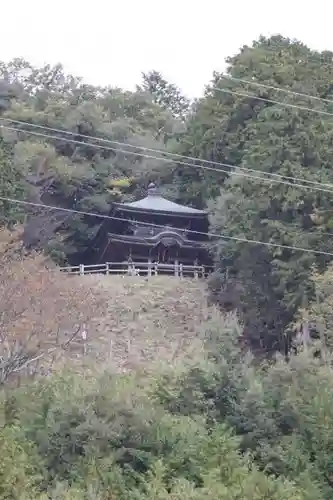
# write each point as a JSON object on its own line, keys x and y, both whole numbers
{"x": 154, "y": 202}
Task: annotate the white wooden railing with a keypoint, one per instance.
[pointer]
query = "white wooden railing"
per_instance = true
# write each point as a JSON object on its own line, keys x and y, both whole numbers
{"x": 137, "y": 269}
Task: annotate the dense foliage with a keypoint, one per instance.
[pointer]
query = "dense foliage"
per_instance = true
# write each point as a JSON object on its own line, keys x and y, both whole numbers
{"x": 78, "y": 170}
{"x": 220, "y": 429}
{"x": 230, "y": 426}
{"x": 93, "y": 158}
{"x": 267, "y": 284}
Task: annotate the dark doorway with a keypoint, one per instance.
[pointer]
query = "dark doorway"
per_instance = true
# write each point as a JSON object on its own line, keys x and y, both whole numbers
{"x": 167, "y": 254}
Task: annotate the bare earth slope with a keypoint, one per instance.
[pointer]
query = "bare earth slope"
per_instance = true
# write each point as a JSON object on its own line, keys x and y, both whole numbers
{"x": 151, "y": 321}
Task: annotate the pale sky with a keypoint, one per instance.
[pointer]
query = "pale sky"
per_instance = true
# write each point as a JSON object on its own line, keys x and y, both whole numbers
{"x": 110, "y": 42}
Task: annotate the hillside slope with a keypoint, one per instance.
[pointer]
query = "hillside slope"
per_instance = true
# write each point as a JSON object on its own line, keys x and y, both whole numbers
{"x": 147, "y": 321}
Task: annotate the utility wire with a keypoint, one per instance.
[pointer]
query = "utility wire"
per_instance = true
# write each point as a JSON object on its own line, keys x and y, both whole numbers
{"x": 273, "y": 101}
{"x": 178, "y": 162}
{"x": 168, "y": 153}
{"x": 121, "y": 219}
{"x": 219, "y": 170}
{"x": 165, "y": 159}
{"x": 239, "y": 239}
{"x": 272, "y": 87}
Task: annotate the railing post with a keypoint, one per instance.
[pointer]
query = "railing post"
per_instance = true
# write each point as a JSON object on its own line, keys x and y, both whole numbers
{"x": 176, "y": 268}
{"x": 149, "y": 268}
{"x": 156, "y": 269}
{"x": 81, "y": 269}
{"x": 107, "y": 269}
{"x": 196, "y": 274}
{"x": 181, "y": 270}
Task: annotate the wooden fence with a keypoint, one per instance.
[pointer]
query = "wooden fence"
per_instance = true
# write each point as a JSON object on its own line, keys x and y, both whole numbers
{"x": 137, "y": 269}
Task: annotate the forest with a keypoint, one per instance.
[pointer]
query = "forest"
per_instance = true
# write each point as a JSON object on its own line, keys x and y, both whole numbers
{"x": 253, "y": 417}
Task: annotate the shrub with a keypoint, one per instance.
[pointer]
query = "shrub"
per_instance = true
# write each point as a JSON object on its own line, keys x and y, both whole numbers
{"x": 41, "y": 313}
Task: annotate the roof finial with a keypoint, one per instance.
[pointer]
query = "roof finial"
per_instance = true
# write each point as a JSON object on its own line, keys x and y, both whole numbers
{"x": 152, "y": 189}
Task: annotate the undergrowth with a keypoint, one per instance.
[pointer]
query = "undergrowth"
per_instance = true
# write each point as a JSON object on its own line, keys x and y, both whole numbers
{"x": 221, "y": 428}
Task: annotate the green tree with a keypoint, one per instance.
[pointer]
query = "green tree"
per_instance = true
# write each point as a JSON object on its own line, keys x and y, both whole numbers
{"x": 165, "y": 94}
{"x": 74, "y": 175}
{"x": 20, "y": 466}
{"x": 266, "y": 284}
{"x": 12, "y": 185}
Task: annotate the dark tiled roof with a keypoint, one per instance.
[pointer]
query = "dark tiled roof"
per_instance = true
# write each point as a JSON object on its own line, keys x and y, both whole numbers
{"x": 156, "y": 203}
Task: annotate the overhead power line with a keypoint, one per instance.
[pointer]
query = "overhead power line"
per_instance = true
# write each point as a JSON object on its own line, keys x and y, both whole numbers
{"x": 150, "y": 224}
{"x": 316, "y": 186}
{"x": 167, "y": 153}
{"x": 278, "y": 89}
{"x": 123, "y": 151}
{"x": 273, "y": 101}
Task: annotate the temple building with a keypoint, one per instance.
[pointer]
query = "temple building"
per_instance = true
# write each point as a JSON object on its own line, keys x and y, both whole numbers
{"x": 154, "y": 230}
